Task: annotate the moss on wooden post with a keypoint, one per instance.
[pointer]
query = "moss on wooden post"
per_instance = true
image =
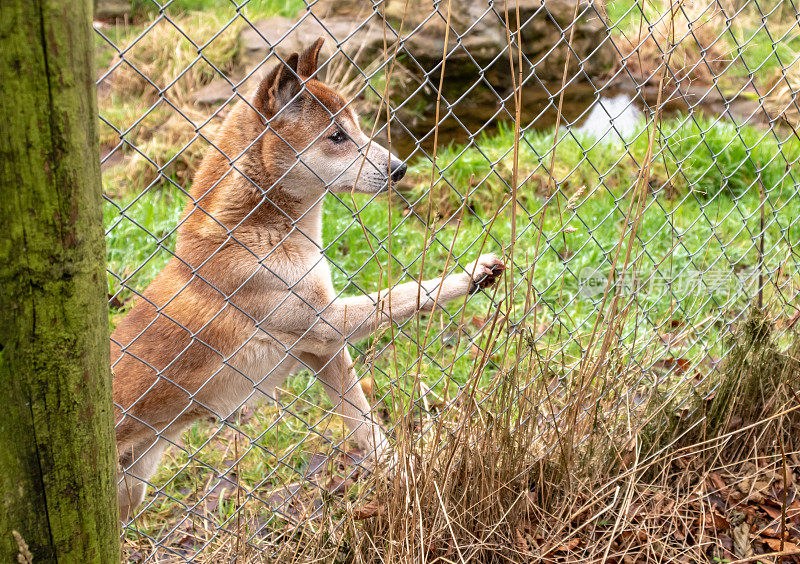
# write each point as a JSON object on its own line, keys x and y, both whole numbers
{"x": 57, "y": 462}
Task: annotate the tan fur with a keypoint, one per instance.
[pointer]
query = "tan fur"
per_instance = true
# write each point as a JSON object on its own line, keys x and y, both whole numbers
{"x": 248, "y": 297}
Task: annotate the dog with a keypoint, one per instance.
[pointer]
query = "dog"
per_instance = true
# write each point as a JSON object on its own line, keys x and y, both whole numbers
{"x": 247, "y": 297}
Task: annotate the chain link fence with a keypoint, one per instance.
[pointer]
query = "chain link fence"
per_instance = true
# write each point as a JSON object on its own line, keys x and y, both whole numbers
{"x": 631, "y": 162}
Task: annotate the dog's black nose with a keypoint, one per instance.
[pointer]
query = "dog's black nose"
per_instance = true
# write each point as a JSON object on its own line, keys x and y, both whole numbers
{"x": 398, "y": 170}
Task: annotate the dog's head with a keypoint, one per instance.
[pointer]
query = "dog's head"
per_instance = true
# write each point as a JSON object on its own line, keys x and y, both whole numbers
{"x": 313, "y": 139}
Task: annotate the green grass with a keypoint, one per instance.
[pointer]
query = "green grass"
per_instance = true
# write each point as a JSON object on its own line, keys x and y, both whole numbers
{"x": 699, "y": 156}
{"x": 164, "y": 51}
{"x": 625, "y": 15}
{"x": 252, "y": 8}
{"x": 765, "y": 53}
{"x": 705, "y": 227}
{"x": 703, "y": 220}
{"x": 711, "y": 168}
{"x": 139, "y": 240}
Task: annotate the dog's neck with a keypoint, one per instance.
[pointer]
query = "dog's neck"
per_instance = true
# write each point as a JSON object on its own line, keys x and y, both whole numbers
{"x": 306, "y": 219}
{"x": 283, "y": 206}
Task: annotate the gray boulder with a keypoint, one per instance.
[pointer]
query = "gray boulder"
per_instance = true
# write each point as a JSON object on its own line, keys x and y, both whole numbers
{"x": 477, "y": 75}
{"x": 477, "y": 42}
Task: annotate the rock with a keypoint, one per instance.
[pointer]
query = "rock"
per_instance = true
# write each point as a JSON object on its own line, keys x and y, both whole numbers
{"x": 282, "y": 36}
{"x": 213, "y": 94}
{"x": 285, "y": 36}
{"x": 477, "y": 74}
{"x": 477, "y": 39}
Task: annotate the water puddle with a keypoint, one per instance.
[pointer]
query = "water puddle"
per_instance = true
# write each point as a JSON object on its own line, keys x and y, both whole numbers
{"x": 611, "y": 119}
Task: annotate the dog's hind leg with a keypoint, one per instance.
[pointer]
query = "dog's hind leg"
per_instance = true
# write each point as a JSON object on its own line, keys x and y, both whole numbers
{"x": 138, "y": 464}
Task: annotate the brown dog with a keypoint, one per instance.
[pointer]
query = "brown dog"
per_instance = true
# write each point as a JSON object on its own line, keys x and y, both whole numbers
{"x": 248, "y": 297}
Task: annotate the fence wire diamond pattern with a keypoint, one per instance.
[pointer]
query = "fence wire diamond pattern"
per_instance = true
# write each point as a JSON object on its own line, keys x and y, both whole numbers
{"x": 631, "y": 162}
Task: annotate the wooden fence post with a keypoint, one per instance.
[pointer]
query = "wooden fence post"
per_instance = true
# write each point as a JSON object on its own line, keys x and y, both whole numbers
{"x": 57, "y": 454}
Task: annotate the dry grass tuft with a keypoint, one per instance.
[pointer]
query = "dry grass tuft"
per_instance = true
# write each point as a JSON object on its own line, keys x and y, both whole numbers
{"x": 694, "y": 39}
{"x": 149, "y": 120}
{"x": 173, "y": 150}
{"x": 782, "y": 99}
{"x": 176, "y": 58}
{"x": 492, "y": 487}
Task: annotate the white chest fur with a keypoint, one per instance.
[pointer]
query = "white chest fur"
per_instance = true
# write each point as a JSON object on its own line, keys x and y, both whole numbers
{"x": 248, "y": 376}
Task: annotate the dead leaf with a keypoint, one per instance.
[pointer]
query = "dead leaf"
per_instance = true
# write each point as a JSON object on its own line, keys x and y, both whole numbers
{"x": 676, "y": 366}
{"x": 369, "y": 510}
{"x": 755, "y": 493}
{"x": 368, "y": 386}
{"x": 719, "y": 522}
{"x": 225, "y": 487}
{"x": 667, "y": 338}
{"x": 338, "y": 483}
{"x": 726, "y": 543}
{"x": 287, "y": 498}
{"x": 773, "y": 512}
{"x": 793, "y": 320}
{"x": 317, "y": 465}
{"x": 566, "y": 547}
{"x": 775, "y": 544}
{"x": 771, "y": 533}
{"x": 741, "y": 540}
{"x": 793, "y": 510}
{"x": 716, "y": 502}
{"x": 734, "y": 423}
{"x": 521, "y": 542}
{"x": 718, "y": 482}
{"x": 750, "y": 514}
{"x": 477, "y": 321}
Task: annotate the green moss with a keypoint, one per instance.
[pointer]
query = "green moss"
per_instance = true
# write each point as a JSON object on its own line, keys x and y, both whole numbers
{"x": 57, "y": 461}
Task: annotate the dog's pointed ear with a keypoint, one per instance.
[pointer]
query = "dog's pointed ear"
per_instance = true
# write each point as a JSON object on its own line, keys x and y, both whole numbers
{"x": 308, "y": 58}
{"x": 279, "y": 87}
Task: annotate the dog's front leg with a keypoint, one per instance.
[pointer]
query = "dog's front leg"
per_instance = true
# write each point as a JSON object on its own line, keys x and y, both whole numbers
{"x": 358, "y": 317}
{"x": 339, "y": 378}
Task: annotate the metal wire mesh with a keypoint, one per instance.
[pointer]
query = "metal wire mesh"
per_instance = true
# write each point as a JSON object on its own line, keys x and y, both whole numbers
{"x": 700, "y": 95}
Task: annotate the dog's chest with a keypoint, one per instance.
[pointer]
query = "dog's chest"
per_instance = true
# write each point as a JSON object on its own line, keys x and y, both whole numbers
{"x": 250, "y": 376}
{"x": 266, "y": 356}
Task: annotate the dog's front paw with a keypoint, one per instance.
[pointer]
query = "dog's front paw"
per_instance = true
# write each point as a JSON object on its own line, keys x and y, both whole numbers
{"x": 484, "y": 272}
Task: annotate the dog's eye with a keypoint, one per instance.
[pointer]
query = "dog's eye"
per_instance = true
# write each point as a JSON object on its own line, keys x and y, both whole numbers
{"x": 338, "y": 137}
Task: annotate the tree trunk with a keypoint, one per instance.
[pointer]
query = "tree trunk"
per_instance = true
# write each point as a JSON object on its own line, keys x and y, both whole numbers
{"x": 57, "y": 454}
